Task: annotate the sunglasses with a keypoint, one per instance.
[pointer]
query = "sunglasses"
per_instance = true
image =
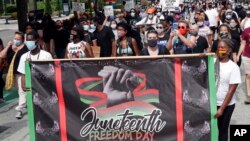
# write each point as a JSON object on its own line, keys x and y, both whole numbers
{"x": 159, "y": 27}
{"x": 182, "y": 27}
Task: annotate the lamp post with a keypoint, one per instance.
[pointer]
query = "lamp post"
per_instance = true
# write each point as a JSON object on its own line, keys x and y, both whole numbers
{"x": 35, "y": 7}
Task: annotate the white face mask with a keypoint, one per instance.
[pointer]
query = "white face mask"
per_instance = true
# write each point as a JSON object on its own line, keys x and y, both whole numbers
{"x": 113, "y": 26}
{"x": 233, "y": 24}
{"x": 159, "y": 30}
{"x": 86, "y": 27}
{"x": 132, "y": 14}
{"x": 200, "y": 23}
{"x": 92, "y": 26}
{"x": 158, "y": 14}
{"x": 150, "y": 16}
{"x": 228, "y": 16}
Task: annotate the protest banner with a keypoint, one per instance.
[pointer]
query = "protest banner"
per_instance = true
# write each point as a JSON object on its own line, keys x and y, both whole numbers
{"x": 189, "y": 1}
{"x": 78, "y": 6}
{"x": 108, "y": 10}
{"x": 169, "y": 5}
{"x": 156, "y": 99}
{"x": 129, "y": 5}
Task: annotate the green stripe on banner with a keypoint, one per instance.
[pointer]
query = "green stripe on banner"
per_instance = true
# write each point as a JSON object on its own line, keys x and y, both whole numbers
{"x": 213, "y": 103}
{"x": 92, "y": 85}
{"x": 86, "y": 101}
{"x": 30, "y": 102}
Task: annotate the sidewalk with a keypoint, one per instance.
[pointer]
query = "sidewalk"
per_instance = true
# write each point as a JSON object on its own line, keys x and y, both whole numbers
{"x": 13, "y": 25}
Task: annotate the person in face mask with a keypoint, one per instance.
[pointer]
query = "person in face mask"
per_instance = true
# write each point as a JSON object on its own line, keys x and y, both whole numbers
{"x": 78, "y": 48}
{"x": 87, "y": 36}
{"x": 235, "y": 32}
{"x": 224, "y": 33}
{"x": 61, "y": 40}
{"x": 245, "y": 23}
{"x": 180, "y": 41}
{"x": 113, "y": 25}
{"x": 201, "y": 45}
{"x": 229, "y": 78}
{"x": 13, "y": 52}
{"x": 126, "y": 46}
{"x": 132, "y": 17}
{"x": 152, "y": 48}
{"x": 203, "y": 28}
{"x": 213, "y": 17}
{"x": 151, "y": 17}
{"x": 34, "y": 53}
{"x": 28, "y": 28}
{"x": 228, "y": 16}
{"x": 162, "y": 36}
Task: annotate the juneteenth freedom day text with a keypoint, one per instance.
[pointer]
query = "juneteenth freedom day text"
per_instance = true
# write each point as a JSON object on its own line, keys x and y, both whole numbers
{"x": 122, "y": 126}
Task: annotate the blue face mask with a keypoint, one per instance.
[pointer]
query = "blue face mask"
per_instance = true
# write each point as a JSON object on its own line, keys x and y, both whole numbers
{"x": 16, "y": 42}
{"x": 92, "y": 26}
{"x": 31, "y": 45}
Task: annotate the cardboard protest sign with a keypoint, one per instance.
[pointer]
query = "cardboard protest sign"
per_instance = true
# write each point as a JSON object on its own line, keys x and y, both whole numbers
{"x": 108, "y": 10}
{"x": 78, "y": 6}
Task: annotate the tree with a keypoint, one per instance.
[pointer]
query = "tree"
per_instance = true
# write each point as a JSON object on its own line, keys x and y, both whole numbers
{"x": 21, "y": 14}
{"x": 1, "y": 6}
{"x": 48, "y": 8}
{"x": 58, "y": 7}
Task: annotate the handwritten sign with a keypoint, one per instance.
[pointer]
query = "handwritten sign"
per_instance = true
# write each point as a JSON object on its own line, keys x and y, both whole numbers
{"x": 78, "y": 6}
{"x": 169, "y": 5}
{"x": 129, "y": 4}
{"x": 108, "y": 10}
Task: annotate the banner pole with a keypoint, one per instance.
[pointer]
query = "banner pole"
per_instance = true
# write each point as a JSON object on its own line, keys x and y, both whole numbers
{"x": 134, "y": 57}
{"x": 30, "y": 107}
{"x": 213, "y": 103}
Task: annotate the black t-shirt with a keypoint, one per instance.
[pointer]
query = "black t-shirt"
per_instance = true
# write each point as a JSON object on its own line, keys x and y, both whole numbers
{"x": 242, "y": 14}
{"x": 201, "y": 45}
{"x": 215, "y": 45}
{"x": 132, "y": 20}
{"x": 61, "y": 38}
{"x": 104, "y": 40}
{"x": 162, "y": 51}
{"x": 10, "y": 55}
{"x": 235, "y": 34}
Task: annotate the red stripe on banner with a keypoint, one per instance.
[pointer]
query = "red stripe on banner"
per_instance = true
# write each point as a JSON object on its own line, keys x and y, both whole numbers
{"x": 142, "y": 84}
{"x": 178, "y": 95}
{"x": 146, "y": 92}
{"x": 62, "y": 110}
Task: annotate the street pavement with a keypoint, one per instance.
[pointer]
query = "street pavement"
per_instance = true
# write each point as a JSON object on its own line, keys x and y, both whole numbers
{"x": 12, "y": 129}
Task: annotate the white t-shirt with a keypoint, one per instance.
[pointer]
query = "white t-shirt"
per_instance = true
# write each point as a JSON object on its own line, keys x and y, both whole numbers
{"x": 246, "y": 24}
{"x": 42, "y": 55}
{"x": 75, "y": 51}
{"x": 212, "y": 15}
{"x": 229, "y": 74}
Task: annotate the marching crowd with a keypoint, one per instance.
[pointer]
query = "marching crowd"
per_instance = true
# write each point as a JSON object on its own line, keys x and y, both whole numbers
{"x": 198, "y": 27}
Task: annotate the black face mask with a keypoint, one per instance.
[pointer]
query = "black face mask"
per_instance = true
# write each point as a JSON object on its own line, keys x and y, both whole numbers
{"x": 74, "y": 37}
{"x": 152, "y": 43}
{"x": 210, "y": 6}
{"x": 223, "y": 34}
{"x": 194, "y": 33}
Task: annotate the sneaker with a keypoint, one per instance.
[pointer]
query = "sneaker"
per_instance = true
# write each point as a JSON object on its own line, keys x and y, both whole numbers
{"x": 19, "y": 115}
{"x": 2, "y": 100}
{"x": 247, "y": 101}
